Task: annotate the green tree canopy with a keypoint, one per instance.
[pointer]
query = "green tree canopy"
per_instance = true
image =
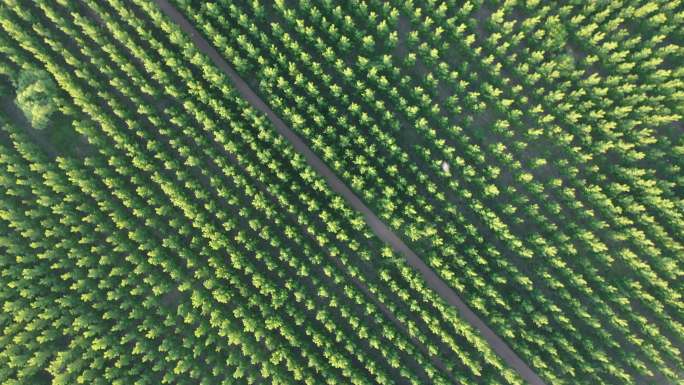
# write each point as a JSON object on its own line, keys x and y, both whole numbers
{"x": 35, "y": 96}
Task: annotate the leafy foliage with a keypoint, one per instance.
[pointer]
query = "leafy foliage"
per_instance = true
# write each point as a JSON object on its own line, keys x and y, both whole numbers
{"x": 530, "y": 152}
{"x": 545, "y": 217}
{"x": 193, "y": 244}
{"x": 35, "y": 92}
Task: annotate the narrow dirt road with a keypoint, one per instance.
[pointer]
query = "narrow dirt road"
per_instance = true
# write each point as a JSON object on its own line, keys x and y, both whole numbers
{"x": 378, "y": 227}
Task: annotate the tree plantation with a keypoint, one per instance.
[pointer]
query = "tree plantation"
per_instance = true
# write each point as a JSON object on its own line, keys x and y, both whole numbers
{"x": 341, "y": 192}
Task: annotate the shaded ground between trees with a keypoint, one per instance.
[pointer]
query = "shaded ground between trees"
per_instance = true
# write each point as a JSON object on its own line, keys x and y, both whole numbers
{"x": 57, "y": 139}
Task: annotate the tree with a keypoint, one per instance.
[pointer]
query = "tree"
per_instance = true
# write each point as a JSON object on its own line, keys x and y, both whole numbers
{"x": 36, "y": 96}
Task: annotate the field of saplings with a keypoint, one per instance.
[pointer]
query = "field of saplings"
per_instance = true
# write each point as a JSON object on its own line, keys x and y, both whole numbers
{"x": 341, "y": 192}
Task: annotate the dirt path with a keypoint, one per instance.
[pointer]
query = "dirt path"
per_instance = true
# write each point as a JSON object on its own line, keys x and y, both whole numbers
{"x": 378, "y": 227}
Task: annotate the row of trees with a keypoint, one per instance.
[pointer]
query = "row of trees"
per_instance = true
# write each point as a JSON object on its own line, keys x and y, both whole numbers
{"x": 548, "y": 224}
{"x": 191, "y": 189}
